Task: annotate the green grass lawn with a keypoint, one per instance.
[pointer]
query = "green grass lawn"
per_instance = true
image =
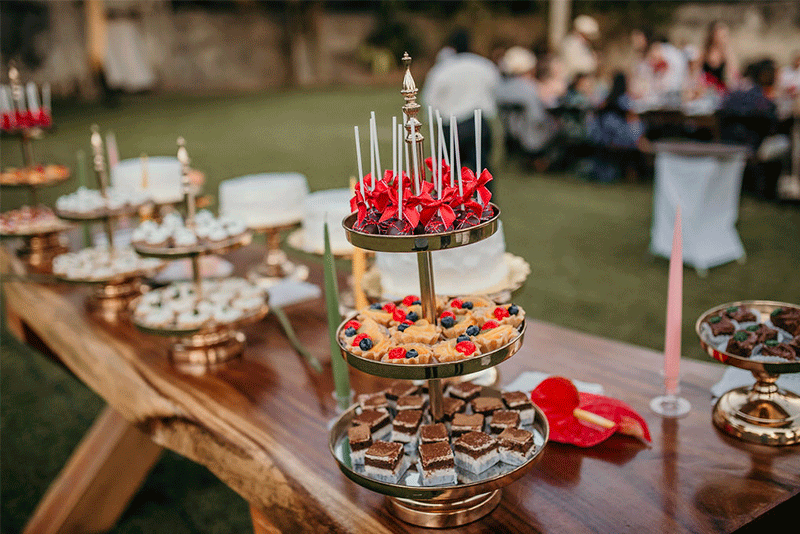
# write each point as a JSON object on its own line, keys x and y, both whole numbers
{"x": 587, "y": 245}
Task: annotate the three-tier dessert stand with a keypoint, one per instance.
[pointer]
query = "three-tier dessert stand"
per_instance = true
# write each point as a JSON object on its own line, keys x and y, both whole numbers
{"x": 110, "y": 295}
{"x": 200, "y": 348}
{"x": 473, "y": 496}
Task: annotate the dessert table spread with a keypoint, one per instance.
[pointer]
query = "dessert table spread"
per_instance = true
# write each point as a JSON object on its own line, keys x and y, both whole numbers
{"x": 260, "y": 423}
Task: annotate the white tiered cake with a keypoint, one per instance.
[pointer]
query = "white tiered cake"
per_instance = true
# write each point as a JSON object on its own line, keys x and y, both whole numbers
{"x": 163, "y": 178}
{"x": 469, "y": 270}
{"x": 335, "y": 204}
{"x": 264, "y": 200}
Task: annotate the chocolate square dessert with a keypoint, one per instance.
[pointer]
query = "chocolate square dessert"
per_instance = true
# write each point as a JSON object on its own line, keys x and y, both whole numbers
{"x": 781, "y": 350}
{"x": 376, "y": 420}
{"x": 486, "y": 406}
{"x": 720, "y": 325}
{"x": 503, "y": 419}
{"x": 373, "y": 401}
{"x": 463, "y": 423}
{"x": 787, "y": 318}
{"x": 450, "y": 407}
{"x": 466, "y": 391}
{"x": 762, "y": 332}
{"x": 519, "y": 402}
{"x": 410, "y": 402}
{"x": 795, "y": 344}
{"x": 405, "y": 426}
{"x": 437, "y": 464}
{"x": 476, "y": 452}
{"x": 433, "y": 433}
{"x": 515, "y": 446}
{"x": 385, "y": 461}
{"x": 400, "y": 389}
{"x": 360, "y": 439}
{"x": 740, "y": 314}
{"x": 742, "y": 343}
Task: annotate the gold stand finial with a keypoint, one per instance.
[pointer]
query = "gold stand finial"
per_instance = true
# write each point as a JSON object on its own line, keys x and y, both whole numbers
{"x": 411, "y": 109}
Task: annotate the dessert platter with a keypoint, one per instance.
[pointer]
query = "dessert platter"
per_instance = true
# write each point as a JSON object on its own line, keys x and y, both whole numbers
{"x": 457, "y": 477}
{"x": 41, "y": 232}
{"x": 271, "y": 204}
{"x": 762, "y": 337}
{"x": 202, "y": 317}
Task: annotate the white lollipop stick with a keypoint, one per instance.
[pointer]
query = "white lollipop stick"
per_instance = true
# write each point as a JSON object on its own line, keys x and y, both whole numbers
{"x": 377, "y": 148}
{"x": 457, "y": 158}
{"x": 452, "y": 146}
{"x": 371, "y": 155}
{"x": 394, "y": 146}
{"x": 360, "y": 166}
{"x": 399, "y": 133}
{"x": 405, "y": 150}
{"x": 414, "y": 158}
{"x": 33, "y": 99}
{"x": 433, "y": 145}
{"x": 46, "y": 96}
{"x": 440, "y": 138}
{"x": 478, "y": 148}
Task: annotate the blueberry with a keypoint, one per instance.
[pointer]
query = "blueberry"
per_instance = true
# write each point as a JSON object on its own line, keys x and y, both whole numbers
{"x": 376, "y": 306}
{"x": 448, "y": 322}
{"x": 417, "y": 302}
{"x": 412, "y": 316}
{"x": 365, "y": 344}
{"x": 412, "y": 353}
{"x": 402, "y": 327}
{"x": 467, "y": 305}
{"x": 513, "y": 309}
{"x": 473, "y": 330}
{"x": 350, "y": 332}
{"x": 462, "y": 337}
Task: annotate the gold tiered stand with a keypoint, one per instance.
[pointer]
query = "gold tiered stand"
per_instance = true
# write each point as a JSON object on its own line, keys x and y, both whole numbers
{"x": 473, "y": 496}
{"x": 111, "y": 295}
{"x": 39, "y": 246}
{"x": 276, "y": 265}
{"x": 762, "y": 413}
{"x": 197, "y": 350}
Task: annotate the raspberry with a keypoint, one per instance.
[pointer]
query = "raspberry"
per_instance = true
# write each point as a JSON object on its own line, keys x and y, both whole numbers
{"x": 501, "y": 313}
{"x": 397, "y": 353}
{"x": 352, "y": 324}
{"x": 409, "y": 300}
{"x": 457, "y": 303}
{"x": 489, "y": 324}
{"x": 399, "y": 315}
{"x": 358, "y": 338}
{"x": 448, "y": 314}
{"x": 465, "y": 347}
{"x": 389, "y": 307}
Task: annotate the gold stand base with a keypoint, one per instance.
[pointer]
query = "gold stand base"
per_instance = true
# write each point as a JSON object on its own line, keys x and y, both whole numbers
{"x": 204, "y": 352}
{"x": 276, "y": 267}
{"x": 760, "y": 414}
{"x": 39, "y": 250}
{"x": 111, "y": 301}
{"x": 444, "y": 514}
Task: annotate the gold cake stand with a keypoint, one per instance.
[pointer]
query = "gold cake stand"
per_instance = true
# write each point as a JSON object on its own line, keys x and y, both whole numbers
{"x": 40, "y": 246}
{"x": 762, "y": 413}
{"x": 276, "y": 265}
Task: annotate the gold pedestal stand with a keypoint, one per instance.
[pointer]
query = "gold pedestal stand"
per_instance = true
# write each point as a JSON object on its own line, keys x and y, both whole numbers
{"x": 110, "y": 300}
{"x": 201, "y": 352}
{"x": 39, "y": 250}
{"x": 276, "y": 265}
{"x": 762, "y": 413}
{"x": 445, "y": 514}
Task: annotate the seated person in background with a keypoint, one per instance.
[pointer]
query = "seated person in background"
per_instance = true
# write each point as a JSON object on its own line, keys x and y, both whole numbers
{"x": 615, "y": 130}
{"x": 668, "y": 67}
{"x": 577, "y": 53}
{"x": 789, "y": 80}
{"x": 639, "y": 73}
{"x": 575, "y": 104}
{"x": 695, "y": 85}
{"x": 719, "y": 63}
{"x": 526, "y": 121}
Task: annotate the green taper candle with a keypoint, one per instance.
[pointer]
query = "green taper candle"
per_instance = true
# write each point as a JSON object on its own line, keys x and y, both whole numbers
{"x": 341, "y": 378}
{"x": 80, "y": 156}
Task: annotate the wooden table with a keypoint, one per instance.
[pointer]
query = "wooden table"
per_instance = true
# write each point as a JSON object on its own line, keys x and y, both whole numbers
{"x": 260, "y": 426}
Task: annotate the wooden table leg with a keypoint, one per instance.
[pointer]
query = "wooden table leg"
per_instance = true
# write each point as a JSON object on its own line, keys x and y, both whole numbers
{"x": 260, "y": 523}
{"x": 99, "y": 480}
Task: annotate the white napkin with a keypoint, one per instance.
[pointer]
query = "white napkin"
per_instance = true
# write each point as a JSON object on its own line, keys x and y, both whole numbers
{"x": 735, "y": 378}
{"x": 288, "y": 292}
{"x": 528, "y": 380}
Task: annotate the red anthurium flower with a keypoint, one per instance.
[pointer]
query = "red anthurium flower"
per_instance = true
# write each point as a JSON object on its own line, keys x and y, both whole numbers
{"x": 584, "y": 419}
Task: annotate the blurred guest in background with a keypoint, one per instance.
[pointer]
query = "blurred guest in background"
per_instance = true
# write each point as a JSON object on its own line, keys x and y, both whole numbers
{"x": 575, "y": 106}
{"x": 789, "y": 80}
{"x": 639, "y": 73}
{"x": 719, "y": 63}
{"x": 668, "y": 67}
{"x": 458, "y": 85}
{"x": 695, "y": 85}
{"x": 577, "y": 54}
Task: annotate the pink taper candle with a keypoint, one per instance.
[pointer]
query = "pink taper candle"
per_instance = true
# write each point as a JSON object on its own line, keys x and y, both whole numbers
{"x": 672, "y": 337}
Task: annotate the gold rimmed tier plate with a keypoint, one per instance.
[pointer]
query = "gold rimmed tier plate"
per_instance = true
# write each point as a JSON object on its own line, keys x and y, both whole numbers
{"x": 765, "y": 307}
{"x": 428, "y": 371}
{"x": 45, "y": 182}
{"x": 58, "y": 226}
{"x": 99, "y": 215}
{"x": 217, "y": 247}
{"x": 117, "y": 279}
{"x": 410, "y": 486}
{"x": 282, "y": 227}
{"x": 208, "y": 328}
{"x": 423, "y": 242}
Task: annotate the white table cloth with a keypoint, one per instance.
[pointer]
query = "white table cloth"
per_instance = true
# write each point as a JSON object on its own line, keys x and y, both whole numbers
{"x": 705, "y": 179}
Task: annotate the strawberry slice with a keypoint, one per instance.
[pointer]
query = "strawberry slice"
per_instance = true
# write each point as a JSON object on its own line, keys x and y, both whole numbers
{"x": 358, "y": 338}
{"x": 489, "y": 325}
{"x": 465, "y": 347}
{"x": 410, "y": 299}
{"x": 352, "y": 324}
{"x": 457, "y": 303}
{"x": 397, "y": 353}
{"x": 448, "y": 314}
{"x": 399, "y": 315}
{"x": 389, "y": 307}
{"x": 501, "y": 313}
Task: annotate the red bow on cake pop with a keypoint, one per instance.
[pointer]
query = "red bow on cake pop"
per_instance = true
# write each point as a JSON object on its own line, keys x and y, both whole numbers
{"x": 441, "y": 206}
{"x": 410, "y": 203}
{"x": 376, "y": 198}
{"x": 584, "y": 419}
{"x": 471, "y": 185}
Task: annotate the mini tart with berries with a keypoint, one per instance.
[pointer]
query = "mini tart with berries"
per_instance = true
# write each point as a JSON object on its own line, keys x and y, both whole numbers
{"x": 409, "y": 315}
{"x": 461, "y": 305}
{"x": 454, "y": 325}
{"x": 369, "y": 348}
{"x": 381, "y": 313}
{"x": 409, "y": 353}
{"x": 453, "y": 350}
{"x": 494, "y": 335}
{"x": 368, "y": 326}
{"x": 509, "y": 314}
{"x": 420, "y": 332}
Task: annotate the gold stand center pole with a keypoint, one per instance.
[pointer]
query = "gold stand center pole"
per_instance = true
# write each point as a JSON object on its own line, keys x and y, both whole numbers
{"x": 428, "y": 298}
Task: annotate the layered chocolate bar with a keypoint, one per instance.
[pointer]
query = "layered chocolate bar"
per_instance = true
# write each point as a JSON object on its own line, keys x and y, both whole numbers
{"x": 376, "y": 420}
{"x": 503, "y": 419}
{"x": 720, "y": 325}
{"x": 762, "y": 332}
{"x": 410, "y": 402}
{"x": 437, "y": 464}
{"x": 405, "y": 426}
{"x": 385, "y": 461}
{"x": 742, "y": 343}
{"x": 787, "y": 318}
{"x": 450, "y": 407}
{"x": 373, "y": 401}
{"x": 515, "y": 446}
{"x": 519, "y": 402}
{"x": 486, "y": 406}
{"x": 781, "y": 350}
{"x": 400, "y": 389}
{"x": 476, "y": 452}
{"x": 465, "y": 391}
{"x": 360, "y": 440}
{"x": 463, "y": 423}
{"x": 740, "y": 314}
{"x": 433, "y": 433}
